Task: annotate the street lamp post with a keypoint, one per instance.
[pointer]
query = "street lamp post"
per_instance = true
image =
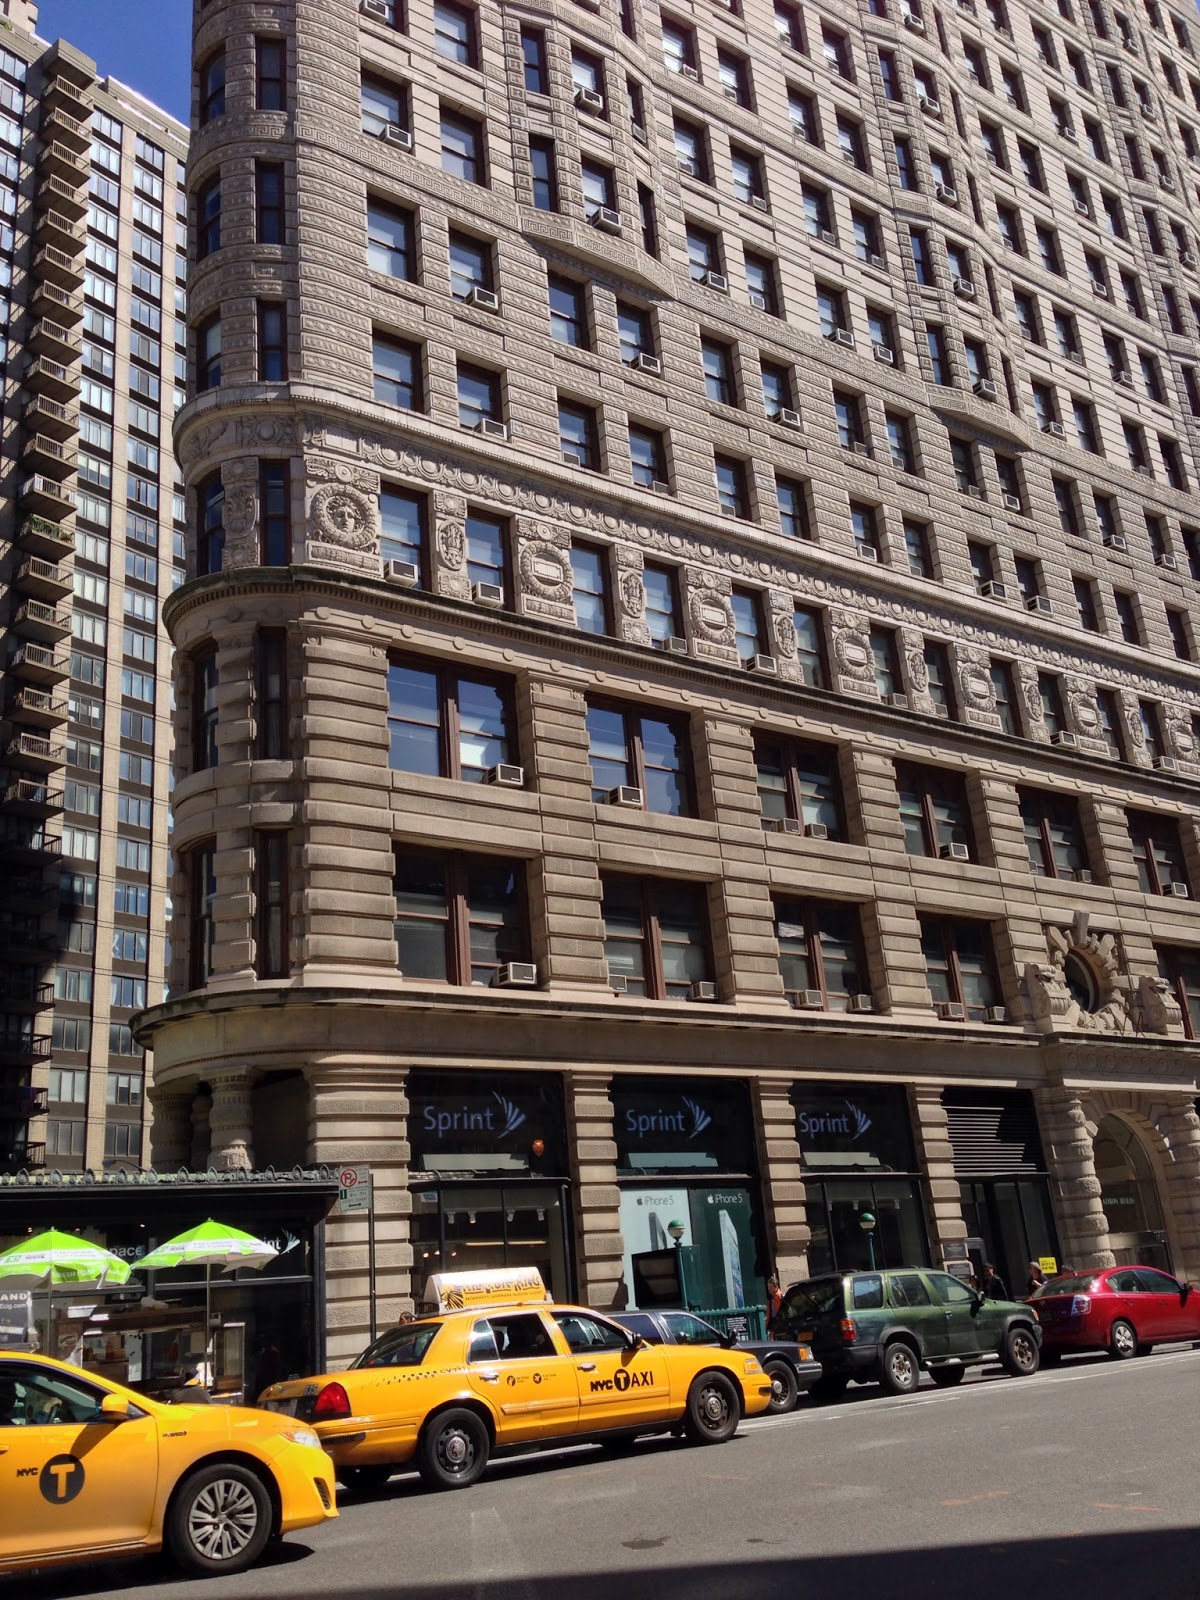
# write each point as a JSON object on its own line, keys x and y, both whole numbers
{"x": 866, "y": 1221}
{"x": 677, "y": 1230}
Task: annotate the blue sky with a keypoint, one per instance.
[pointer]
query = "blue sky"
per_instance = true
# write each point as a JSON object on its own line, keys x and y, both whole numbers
{"x": 145, "y": 43}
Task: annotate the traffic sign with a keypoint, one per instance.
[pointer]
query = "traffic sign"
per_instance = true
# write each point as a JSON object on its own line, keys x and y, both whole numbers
{"x": 354, "y": 1188}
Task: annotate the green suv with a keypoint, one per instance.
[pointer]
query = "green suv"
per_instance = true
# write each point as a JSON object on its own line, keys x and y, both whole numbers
{"x": 883, "y": 1327}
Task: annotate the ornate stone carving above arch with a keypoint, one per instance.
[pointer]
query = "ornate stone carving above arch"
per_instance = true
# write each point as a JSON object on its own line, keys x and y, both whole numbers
{"x": 1079, "y": 959}
{"x": 343, "y": 514}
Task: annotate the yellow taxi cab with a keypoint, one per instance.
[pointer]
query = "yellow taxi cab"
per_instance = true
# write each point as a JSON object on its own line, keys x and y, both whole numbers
{"x": 498, "y": 1365}
{"x": 90, "y": 1469}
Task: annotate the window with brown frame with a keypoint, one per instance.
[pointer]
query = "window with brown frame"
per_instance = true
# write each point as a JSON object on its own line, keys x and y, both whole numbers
{"x": 275, "y": 519}
{"x": 820, "y": 952}
{"x": 270, "y": 74}
{"x": 1158, "y": 851}
{"x": 448, "y": 724}
{"x": 204, "y": 710}
{"x": 202, "y": 896}
{"x": 960, "y": 964}
{"x": 459, "y": 918}
{"x": 801, "y": 781}
{"x": 642, "y": 748}
{"x": 656, "y": 936}
{"x": 271, "y": 932}
{"x": 1053, "y": 834}
{"x": 1181, "y": 969}
{"x": 271, "y": 743}
{"x": 935, "y": 812}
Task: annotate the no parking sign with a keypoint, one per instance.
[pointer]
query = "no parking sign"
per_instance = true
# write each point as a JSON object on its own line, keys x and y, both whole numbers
{"x": 354, "y": 1188}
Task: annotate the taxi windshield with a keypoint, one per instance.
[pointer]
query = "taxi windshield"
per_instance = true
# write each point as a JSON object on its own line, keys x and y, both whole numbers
{"x": 1083, "y": 1283}
{"x": 399, "y": 1347}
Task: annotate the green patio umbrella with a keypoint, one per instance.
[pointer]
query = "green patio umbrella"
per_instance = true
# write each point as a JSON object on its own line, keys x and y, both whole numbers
{"x": 54, "y": 1258}
{"x": 210, "y": 1244}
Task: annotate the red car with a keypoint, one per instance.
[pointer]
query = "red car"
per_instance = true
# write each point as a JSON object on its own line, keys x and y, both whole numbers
{"x": 1124, "y": 1310}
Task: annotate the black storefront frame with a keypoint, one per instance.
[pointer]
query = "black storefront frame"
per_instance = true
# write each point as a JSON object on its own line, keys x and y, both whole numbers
{"x": 445, "y": 1185}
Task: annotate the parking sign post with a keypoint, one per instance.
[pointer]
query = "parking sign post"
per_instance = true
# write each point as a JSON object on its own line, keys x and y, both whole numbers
{"x": 355, "y": 1193}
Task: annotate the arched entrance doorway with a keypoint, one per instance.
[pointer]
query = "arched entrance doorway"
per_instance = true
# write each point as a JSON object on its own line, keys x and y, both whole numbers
{"x": 1129, "y": 1195}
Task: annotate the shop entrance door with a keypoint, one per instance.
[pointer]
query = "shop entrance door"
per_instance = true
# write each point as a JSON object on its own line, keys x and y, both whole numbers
{"x": 1129, "y": 1195}
{"x": 836, "y": 1210}
{"x": 469, "y": 1226}
{"x": 1013, "y": 1220}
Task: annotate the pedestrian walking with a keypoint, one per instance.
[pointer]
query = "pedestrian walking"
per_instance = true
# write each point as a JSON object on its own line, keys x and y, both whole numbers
{"x": 1035, "y": 1280}
{"x": 994, "y": 1287}
{"x": 774, "y": 1300}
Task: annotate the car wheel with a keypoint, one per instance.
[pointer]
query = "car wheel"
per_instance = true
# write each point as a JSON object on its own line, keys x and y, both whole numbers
{"x": 947, "y": 1377}
{"x": 362, "y": 1480}
{"x": 1020, "y": 1355}
{"x": 453, "y": 1450}
{"x": 899, "y": 1368}
{"x": 1122, "y": 1340}
{"x": 784, "y": 1388}
{"x": 713, "y": 1412}
{"x": 220, "y": 1520}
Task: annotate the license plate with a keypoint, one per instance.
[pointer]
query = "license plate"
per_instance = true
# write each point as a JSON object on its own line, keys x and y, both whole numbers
{"x": 286, "y": 1407}
{"x": 805, "y": 1337}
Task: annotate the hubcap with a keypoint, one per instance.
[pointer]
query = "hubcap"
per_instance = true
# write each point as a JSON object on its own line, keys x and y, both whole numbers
{"x": 1123, "y": 1337}
{"x": 455, "y": 1451}
{"x": 223, "y": 1519}
{"x": 714, "y": 1408}
{"x": 902, "y": 1366}
{"x": 1023, "y": 1351}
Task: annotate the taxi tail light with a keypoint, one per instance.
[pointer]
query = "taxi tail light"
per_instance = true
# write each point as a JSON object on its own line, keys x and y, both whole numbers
{"x": 849, "y": 1331}
{"x": 331, "y": 1403}
{"x": 1081, "y": 1304}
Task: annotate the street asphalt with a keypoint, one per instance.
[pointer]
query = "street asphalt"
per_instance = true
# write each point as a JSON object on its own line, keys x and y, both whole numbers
{"x": 1082, "y": 1483}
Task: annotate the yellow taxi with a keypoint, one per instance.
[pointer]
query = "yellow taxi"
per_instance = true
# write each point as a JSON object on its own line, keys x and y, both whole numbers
{"x": 500, "y": 1365}
{"x": 89, "y": 1469}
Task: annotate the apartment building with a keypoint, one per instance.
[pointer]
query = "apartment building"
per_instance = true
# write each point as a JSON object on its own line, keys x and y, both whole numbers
{"x": 92, "y": 263}
{"x": 687, "y": 709}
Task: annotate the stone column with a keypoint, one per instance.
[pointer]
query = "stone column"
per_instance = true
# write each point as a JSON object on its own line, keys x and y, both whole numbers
{"x": 170, "y": 1128}
{"x": 593, "y": 1152}
{"x": 1180, "y": 1126}
{"x": 232, "y": 1120}
{"x": 359, "y": 1115}
{"x": 1082, "y": 1225}
{"x": 201, "y": 1131}
{"x": 935, "y": 1156}
{"x": 782, "y": 1180}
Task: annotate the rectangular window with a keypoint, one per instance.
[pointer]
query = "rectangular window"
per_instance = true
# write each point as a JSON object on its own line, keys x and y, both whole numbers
{"x": 662, "y": 605}
{"x": 885, "y": 657}
{"x": 935, "y": 812}
{"x": 533, "y": 56}
{"x": 544, "y": 172}
{"x": 1053, "y": 834}
{"x": 271, "y": 905}
{"x": 391, "y": 241}
{"x": 384, "y": 105}
{"x": 270, "y": 74}
{"x": 396, "y": 373}
{"x": 1157, "y": 851}
{"x": 478, "y": 396}
{"x": 647, "y": 457}
{"x": 589, "y": 587}
{"x": 275, "y": 530}
{"x": 470, "y": 265}
{"x": 459, "y": 919}
{"x": 656, "y": 936}
{"x": 454, "y": 33}
{"x": 271, "y": 696}
{"x": 792, "y": 500}
{"x": 272, "y": 342}
{"x": 748, "y": 630}
{"x": 269, "y": 210}
{"x": 634, "y": 747}
{"x": 733, "y": 495}
{"x": 800, "y": 781}
{"x": 487, "y": 554}
{"x": 960, "y": 966}
{"x": 445, "y": 724}
{"x": 1181, "y": 969}
{"x": 821, "y": 957}
{"x": 462, "y": 150}
{"x": 402, "y": 528}
{"x": 202, "y": 896}
{"x": 204, "y": 711}
{"x": 577, "y": 435}
{"x": 568, "y": 312}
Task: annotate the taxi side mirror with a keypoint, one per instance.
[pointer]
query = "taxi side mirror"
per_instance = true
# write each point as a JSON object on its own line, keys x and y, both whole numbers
{"x": 114, "y": 1408}
{"x": 634, "y": 1341}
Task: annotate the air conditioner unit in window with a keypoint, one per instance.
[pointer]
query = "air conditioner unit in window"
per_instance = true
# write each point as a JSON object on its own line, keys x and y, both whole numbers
{"x": 788, "y": 418}
{"x": 975, "y": 492}
{"x": 1040, "y": 604}
{"x": 1166, "y": 764}
{"x": 689, "y": 72}
{"x": 1054, "y": 429}
{"x": 730, "y": 92}
{"x": 647, "y": 363}
{"x": 985, "y": 388}
{"x": 946, "y": 194}
{"x": 759, "y": 202}
{"x": 765, "y": 666}
{"x": 996, "y": 1014}
{"x": 490, "y": 428}
{"x": 843, "y": 336}
{"x": 1066, "y": 740}
{"x": 950, "y": 1011}
{"x": 898, "y": 702}
{"x": 1100, "y": 290}
{"x": 1069, "y": 135}
{"x": 515, "y": 975}
{"x": 572, "y": 458}
{"x": 717, "y": 281}
{"x": 393, "y": 133}
{"x": 815, "y": 830}
{"x": 1166, "y": 181}
{"x": 375, "y": 9}
{"x": 625, "y": 795}
{"x": 1011, "y": 502}
{"x": 990, "y": 157}
{"x": 405, "y": 573}
{"x": 929, "y": 105}
{"x": 757, "y": 299}
{"x": 913, "y": 22}
{"x": 1116, "y": 541}
{"x": 606, "y": 219}
{"x": 1179, "y": 890}
{"x": 1083, "y": 208}
{"x": 639, "y": 133}
{"x": 506, "y": 776}
{"x": 484, "y": 299}
{"x": 659, "y": 487}
{"x": 992, "y": 590}
{"x": 687, "y": 165}
{"x": 617, "y": 983}
{"x": 589, "y": 100}
{"x": 487, "y": 594}
{"x": 704, "y": 991}
{"x": 1125, "y": 379}
{"x": 954, "y": 852}
{"x": 884, "y": 353}
{"x": 826, "y": 235}
{"x": 1167, "y": 562}
{"x": 809, "y": 1000}
{"x": 964, "y": 288}
{"x": 1188, "y": 257}
{"x": 860, "y": 1003}
{"x": 674, "y": 645}
{"x": 1082, "y": 875}
{"x": 866, "y": 552}
{"x": 781, "y": 825}
{"x": 858, "y": 448}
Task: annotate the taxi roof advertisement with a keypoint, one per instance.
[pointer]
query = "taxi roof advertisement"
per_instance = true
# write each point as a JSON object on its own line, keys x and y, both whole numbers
{"x": 508, "y": 1286}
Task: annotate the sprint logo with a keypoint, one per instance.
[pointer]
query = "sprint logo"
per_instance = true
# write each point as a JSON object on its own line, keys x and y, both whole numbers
{"x": 700, "y": 1118}
{"x": 623, "y": 1381}
{"x": 512, "y": 1114}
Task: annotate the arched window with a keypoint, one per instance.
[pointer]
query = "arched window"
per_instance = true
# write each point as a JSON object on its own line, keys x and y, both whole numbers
{"x": 212, "y": 87}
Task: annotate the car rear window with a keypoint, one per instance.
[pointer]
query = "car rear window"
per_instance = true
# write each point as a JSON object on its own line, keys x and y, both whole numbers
{"x": 400, "y": 1347}
{"x": 866, "y": 1293}
{"x": 805, "y": 1303}
{"x": 1080, "y": 1284}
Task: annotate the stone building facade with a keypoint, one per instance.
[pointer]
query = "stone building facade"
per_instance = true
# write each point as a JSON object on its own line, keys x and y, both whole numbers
{"x": 93, "y": 257}
{"x": 687, "y": 725}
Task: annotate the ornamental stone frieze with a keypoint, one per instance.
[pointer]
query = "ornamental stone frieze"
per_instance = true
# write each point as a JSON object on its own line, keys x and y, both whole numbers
{"x": 629, "y": 595}
{"x": 342, "y": 509}
{"x": 543, "y": 558}
{"x": 1085, "y": 987}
